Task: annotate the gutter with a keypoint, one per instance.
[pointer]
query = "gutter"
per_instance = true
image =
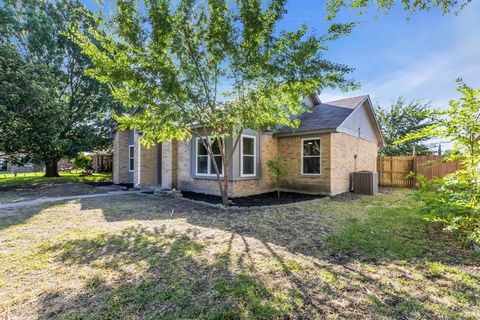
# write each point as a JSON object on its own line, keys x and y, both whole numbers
{"x": 298, "y": 133}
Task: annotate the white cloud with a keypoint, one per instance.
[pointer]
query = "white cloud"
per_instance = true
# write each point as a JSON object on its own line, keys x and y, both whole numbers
{"x": 430, "y": 76}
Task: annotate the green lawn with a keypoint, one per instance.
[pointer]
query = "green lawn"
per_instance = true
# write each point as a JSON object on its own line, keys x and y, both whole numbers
{"x": 8, "y": 179}
{"x": 144, "y": 257}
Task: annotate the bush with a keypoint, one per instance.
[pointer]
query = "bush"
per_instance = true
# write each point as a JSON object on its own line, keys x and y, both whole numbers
{"x": 277, "y": 172}
{"x": 452, "y": 201}
{"x": 82, "y": 161}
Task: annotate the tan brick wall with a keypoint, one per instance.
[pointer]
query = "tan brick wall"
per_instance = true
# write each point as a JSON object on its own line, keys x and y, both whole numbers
{"x": 337, "y": 150}
{"x": 344, "y": 148}
{"x": 148, "y": 168}
{"x": 120, "y": 157}
{"x": 289, "y": 149}
{"x": 268, "y": 150}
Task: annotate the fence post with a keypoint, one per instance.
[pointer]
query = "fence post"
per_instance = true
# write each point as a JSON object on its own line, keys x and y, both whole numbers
{"x": 414, "y": 167}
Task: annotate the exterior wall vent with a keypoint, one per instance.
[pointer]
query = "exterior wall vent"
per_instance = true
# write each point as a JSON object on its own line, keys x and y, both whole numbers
{"x": 365, "y": 182}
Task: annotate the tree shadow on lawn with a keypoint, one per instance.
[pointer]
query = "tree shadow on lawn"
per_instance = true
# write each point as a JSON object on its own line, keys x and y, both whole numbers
{"x": 366, "y": 230}
{"x": 364, "y": 261}
{"x": 158, "y": 276}
{"x": 320, "y": 263}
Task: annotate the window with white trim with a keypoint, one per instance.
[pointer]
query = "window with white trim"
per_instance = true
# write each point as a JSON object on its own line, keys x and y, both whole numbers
{"x": 131, "y": 157}
{"x": 248, "y": 156}
{"x": 205, "y": 165}
{"x": 311, "y": 156}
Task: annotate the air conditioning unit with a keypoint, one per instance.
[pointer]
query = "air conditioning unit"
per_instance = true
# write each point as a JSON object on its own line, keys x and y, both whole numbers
{"x": 365, "y": 182}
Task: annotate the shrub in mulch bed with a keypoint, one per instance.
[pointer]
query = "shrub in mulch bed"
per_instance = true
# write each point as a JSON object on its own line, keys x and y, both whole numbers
{"x": 264, "y": 199}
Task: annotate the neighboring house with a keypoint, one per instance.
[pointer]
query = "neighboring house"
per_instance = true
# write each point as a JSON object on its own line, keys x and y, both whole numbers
{"x": 13, "y": 163}
{"x": 333, "y": 140}
{"x": 102, "y": 161}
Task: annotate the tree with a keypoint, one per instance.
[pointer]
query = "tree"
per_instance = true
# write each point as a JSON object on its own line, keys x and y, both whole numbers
{"x": 208, "y": 69}
{"x": 277, "y": 172}
{"x": 401, "y": 119}
{"x": 334, "y": 6}
{"x": 48, "y": 108}
{"x": 83, "y": 161}
{"x": 454, "y": 199}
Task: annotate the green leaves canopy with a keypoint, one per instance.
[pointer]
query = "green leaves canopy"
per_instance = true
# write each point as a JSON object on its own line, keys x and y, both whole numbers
{"x": 454, "y": 199}
{"x": 334, "y": 6}
{"x": 404, "y": 118}
{"x": 48, "y": 108}
{"x": 206, "y": 64}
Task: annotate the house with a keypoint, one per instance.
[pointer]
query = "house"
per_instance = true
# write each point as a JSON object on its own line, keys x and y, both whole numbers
{"x": 333, "y": 140}
{"x": 102, "y": 161}
{"x": 15, "y": 163}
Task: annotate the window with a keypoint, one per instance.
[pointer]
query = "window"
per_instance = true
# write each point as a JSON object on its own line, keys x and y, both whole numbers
{"x": 131, "y": 157}
{"x": 311, "y": 156}
{"x": 248, "y": 149}
{"x": 205, "y": 165}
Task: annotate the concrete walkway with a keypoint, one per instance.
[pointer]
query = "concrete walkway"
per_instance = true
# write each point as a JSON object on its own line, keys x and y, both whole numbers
{"x": 54, "y": 199}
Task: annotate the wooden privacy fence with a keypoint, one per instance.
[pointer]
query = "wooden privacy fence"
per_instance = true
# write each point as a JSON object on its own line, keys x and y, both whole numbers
{"x": 393, "y": 171}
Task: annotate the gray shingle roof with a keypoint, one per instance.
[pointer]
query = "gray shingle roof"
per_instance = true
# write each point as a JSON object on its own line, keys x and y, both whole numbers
{"x": 325, "y": 116}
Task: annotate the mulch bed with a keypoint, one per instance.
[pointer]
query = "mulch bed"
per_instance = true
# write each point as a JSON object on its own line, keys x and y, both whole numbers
{"x": 100, "y": 183}
{"x": 264, "y": 199}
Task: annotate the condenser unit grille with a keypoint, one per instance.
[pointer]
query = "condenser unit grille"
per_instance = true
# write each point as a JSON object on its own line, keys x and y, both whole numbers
{"x": 365, "y": 182}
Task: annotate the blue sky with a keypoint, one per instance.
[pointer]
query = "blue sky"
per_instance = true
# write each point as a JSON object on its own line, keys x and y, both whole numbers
{"x": 417, "y": 58}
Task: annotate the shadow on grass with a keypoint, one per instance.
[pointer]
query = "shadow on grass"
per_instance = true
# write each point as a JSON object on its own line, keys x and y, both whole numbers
{"x": 158, "y": 277}
{"x": 142, "y": 273}
{"x": 369, "y": 231}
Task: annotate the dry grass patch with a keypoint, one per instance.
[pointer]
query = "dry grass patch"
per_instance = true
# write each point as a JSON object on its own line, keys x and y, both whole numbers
{"x": 138, "y": 256}
{"x": 39, "y": 191}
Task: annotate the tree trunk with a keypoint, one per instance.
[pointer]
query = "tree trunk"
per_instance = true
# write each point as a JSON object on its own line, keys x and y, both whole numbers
{"x": 225, "y": 189}
{"x": 51, "y": 169}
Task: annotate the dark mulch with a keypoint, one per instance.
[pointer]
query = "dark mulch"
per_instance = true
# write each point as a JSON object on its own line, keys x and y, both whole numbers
{"x": 100, "y": 183}
{"x": 264, "y": 199}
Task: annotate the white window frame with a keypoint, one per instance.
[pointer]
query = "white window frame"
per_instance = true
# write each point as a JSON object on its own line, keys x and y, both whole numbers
{"x": 131, "y": 155}
{"x": 209, "y": 162}
{"x": 249, "y": 155}
{"x": 319, "y": 156}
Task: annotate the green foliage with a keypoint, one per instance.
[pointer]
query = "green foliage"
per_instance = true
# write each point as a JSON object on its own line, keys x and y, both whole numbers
{"x": 277, "y": 172}
{"x": 209, "y": 67}
{"x": 334, "y": 6}
{"x": 48, "y": 108}
{"x": 401, "y": 119}
{"x": 449, "y": 201}
{"x": 82, "y": 161}
{"x": 454, "y": 199}
{"x": 38, "y": 178}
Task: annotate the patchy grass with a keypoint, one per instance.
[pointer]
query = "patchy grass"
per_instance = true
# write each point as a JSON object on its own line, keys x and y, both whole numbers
{"x": 33, "y": 185}
{"x": 138, "y": 256}
{"x": 35, "y": 178}
{"x": 39, "y": 191}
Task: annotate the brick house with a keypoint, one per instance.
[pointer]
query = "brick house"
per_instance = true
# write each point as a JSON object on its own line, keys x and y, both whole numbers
{"x": 333, "y": 140}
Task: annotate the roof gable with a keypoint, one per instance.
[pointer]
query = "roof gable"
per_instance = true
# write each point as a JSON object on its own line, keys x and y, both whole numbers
{"x": 362, "y": 123}
{"x": 324, "y": 116}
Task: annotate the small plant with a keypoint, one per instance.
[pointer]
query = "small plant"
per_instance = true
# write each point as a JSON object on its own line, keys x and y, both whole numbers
{"x": 277, "y": 173}
{"x": 82, "y": 161}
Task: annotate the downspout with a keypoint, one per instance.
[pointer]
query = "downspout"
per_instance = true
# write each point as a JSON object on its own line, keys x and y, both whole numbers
{"x": 139, "y": 166}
